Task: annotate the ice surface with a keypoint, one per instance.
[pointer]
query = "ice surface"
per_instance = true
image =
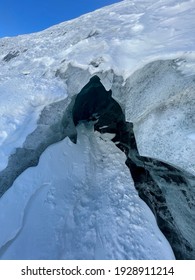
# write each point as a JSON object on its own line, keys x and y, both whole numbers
{"x": 79, "y": 203}
{"x": 191, "y": 136}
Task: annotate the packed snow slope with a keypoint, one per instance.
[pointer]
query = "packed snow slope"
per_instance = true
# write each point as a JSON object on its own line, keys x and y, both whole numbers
{"x": 80, "y": 197}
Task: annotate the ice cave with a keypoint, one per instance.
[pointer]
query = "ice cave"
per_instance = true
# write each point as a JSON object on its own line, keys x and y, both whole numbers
{"x": 97, "y": 136}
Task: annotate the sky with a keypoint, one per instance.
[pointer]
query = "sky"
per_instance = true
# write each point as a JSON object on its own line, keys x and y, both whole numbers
{"x": 27, "y": 16}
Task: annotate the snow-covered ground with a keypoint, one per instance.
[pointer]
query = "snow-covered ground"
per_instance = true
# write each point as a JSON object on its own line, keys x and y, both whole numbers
{"x": 79, "y": 203}
{"x": 61, "y": 202}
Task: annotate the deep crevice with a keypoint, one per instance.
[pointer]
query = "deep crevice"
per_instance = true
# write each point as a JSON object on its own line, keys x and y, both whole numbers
{"x": 147, "y": 173}
{"x": 94, "y": 103}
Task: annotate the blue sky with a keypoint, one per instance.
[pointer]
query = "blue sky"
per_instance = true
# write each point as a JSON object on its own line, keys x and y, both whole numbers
{"x": 27, "y": 16}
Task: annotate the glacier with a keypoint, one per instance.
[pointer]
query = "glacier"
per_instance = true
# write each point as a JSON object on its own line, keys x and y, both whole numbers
{"x": 80, "y": 188}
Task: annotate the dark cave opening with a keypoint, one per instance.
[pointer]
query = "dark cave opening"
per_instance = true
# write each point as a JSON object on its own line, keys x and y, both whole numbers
{"x": 94, "y": 103}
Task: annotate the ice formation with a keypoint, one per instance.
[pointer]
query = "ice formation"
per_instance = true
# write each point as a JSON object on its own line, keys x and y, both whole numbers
{"x": 80, "y": 190}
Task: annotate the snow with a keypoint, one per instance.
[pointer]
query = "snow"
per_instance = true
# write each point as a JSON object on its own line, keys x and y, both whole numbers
{"x": 122, "y": 38}
{"x": 81, "y": 201}
{"x": 191, "y": 136}
{"x": 22, "y": 100}
{"x": 162, "y": 109}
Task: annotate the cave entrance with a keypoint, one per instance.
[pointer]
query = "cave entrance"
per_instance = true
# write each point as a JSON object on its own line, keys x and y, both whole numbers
{"x": 95, "y": 103}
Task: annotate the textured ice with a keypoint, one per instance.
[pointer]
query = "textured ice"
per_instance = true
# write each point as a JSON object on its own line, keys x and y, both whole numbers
{"x": 79, "y": 203}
